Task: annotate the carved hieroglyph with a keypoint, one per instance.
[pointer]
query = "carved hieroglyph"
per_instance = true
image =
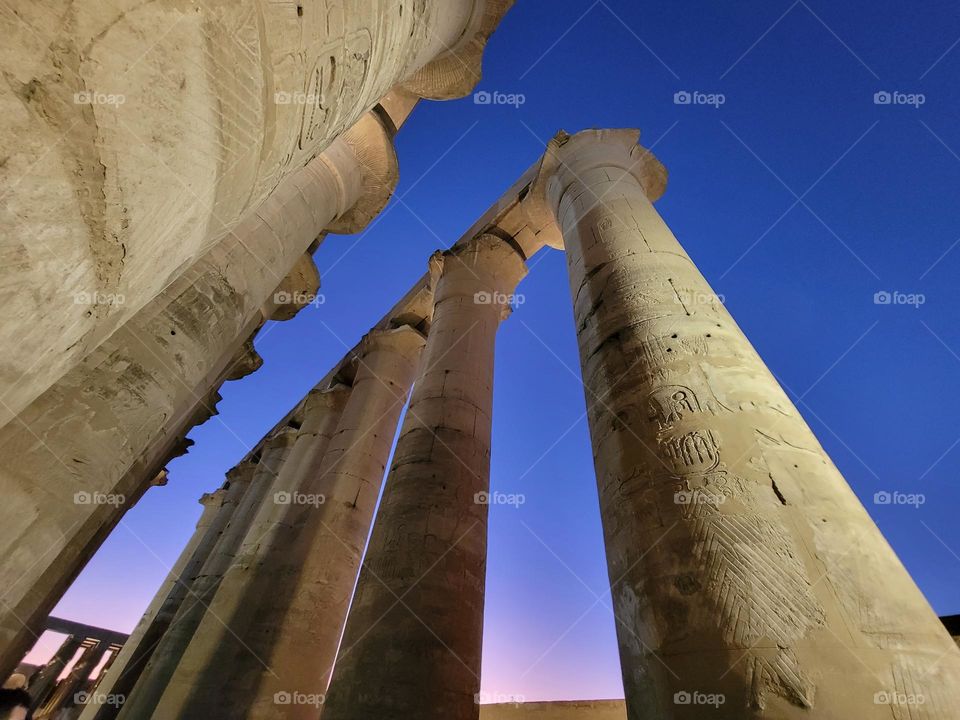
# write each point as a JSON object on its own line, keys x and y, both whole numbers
{"x": 741, "y": 563}
{"x": 135, "y": 135}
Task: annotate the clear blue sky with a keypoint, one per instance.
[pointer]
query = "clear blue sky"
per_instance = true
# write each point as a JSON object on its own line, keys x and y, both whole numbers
{"x": 879, "y": 187}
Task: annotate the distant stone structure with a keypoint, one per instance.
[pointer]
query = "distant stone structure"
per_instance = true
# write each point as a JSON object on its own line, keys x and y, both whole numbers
{"x": 574, "y": 710}
{"x": 747, "y": 580}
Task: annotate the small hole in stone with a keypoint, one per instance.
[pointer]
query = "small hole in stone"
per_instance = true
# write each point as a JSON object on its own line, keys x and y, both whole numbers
{"x": 173, "y": 332}
{"x": 299, "y": 10}
{"x": 669, "y": 349}
{"x": 674, "y": 335}
{"x": 709, "y": 335}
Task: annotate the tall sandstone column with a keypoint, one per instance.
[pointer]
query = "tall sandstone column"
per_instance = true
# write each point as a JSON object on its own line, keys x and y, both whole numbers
{"x": 741, "y": 563}
{"x": 293, "y": 612}
{"x": 134, "y": 136}
{"x": 413, "y": 638}
{"x": 249, "y": 484}
{"x": 114, "y": 414}
{"x": 127, "y": 665}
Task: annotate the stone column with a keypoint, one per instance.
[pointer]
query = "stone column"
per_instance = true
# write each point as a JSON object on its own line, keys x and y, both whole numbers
{"x": 297, "y": 604}
{"x": 413, "y": 638}
{"x": 126, "y": 666}
{"x": 249, "y": 484}
{"x": 66, "y": 690}
{"x": 126, "y": 162}
{"x": 43, "y": 680}
{"x": 118, "y": 409}
{"x": 747, "y": 579}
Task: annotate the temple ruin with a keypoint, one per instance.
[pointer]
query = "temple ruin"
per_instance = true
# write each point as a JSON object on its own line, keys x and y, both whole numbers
{"x": 741, "y": 564}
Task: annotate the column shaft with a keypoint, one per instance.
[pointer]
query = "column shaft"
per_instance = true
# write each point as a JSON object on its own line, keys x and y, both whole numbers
{"x": 248, "y": 486}
{"x": 413, "y": 638}
{"x": 43, "y": 680}
{"x": 312, "y": 564}
{"x": 126, "y": 666}
{"x": 64, "y": 694}
{"x": 278, "y": 84}
{"x": 742, "y": 565}
{"x": 143, "y": 384}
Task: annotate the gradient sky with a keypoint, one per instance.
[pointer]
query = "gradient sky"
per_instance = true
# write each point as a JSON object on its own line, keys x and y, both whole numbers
{"x": 799, "y": 198}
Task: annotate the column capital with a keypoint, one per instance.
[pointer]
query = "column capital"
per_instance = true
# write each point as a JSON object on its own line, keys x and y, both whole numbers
{"x": 212, "y": 499}
{"x": 487, "y": 268}
{"x": 568, "y": 159}
{"x": 371, "y": 152}
{"x": 456, "y": 72}
{"x": 285, "y": 437}
{"x": 403, "y": 340}
{"x": 242, "y": 471}
{"x": 298, "y": 289}
{"x": 333, "y": 397}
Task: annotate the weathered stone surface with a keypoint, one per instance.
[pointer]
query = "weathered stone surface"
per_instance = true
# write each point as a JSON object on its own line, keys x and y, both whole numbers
{"x": 247, "y": 485}
{"x": 742, "y": 565}
{"x": 128, "y": 399}
{"x": 127, "y": 665}
{"x": 428, "y": 546}
{"x": 135, "y": 136}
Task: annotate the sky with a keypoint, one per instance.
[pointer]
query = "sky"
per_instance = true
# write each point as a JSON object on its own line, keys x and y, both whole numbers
{"x": 804, "y": 197}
